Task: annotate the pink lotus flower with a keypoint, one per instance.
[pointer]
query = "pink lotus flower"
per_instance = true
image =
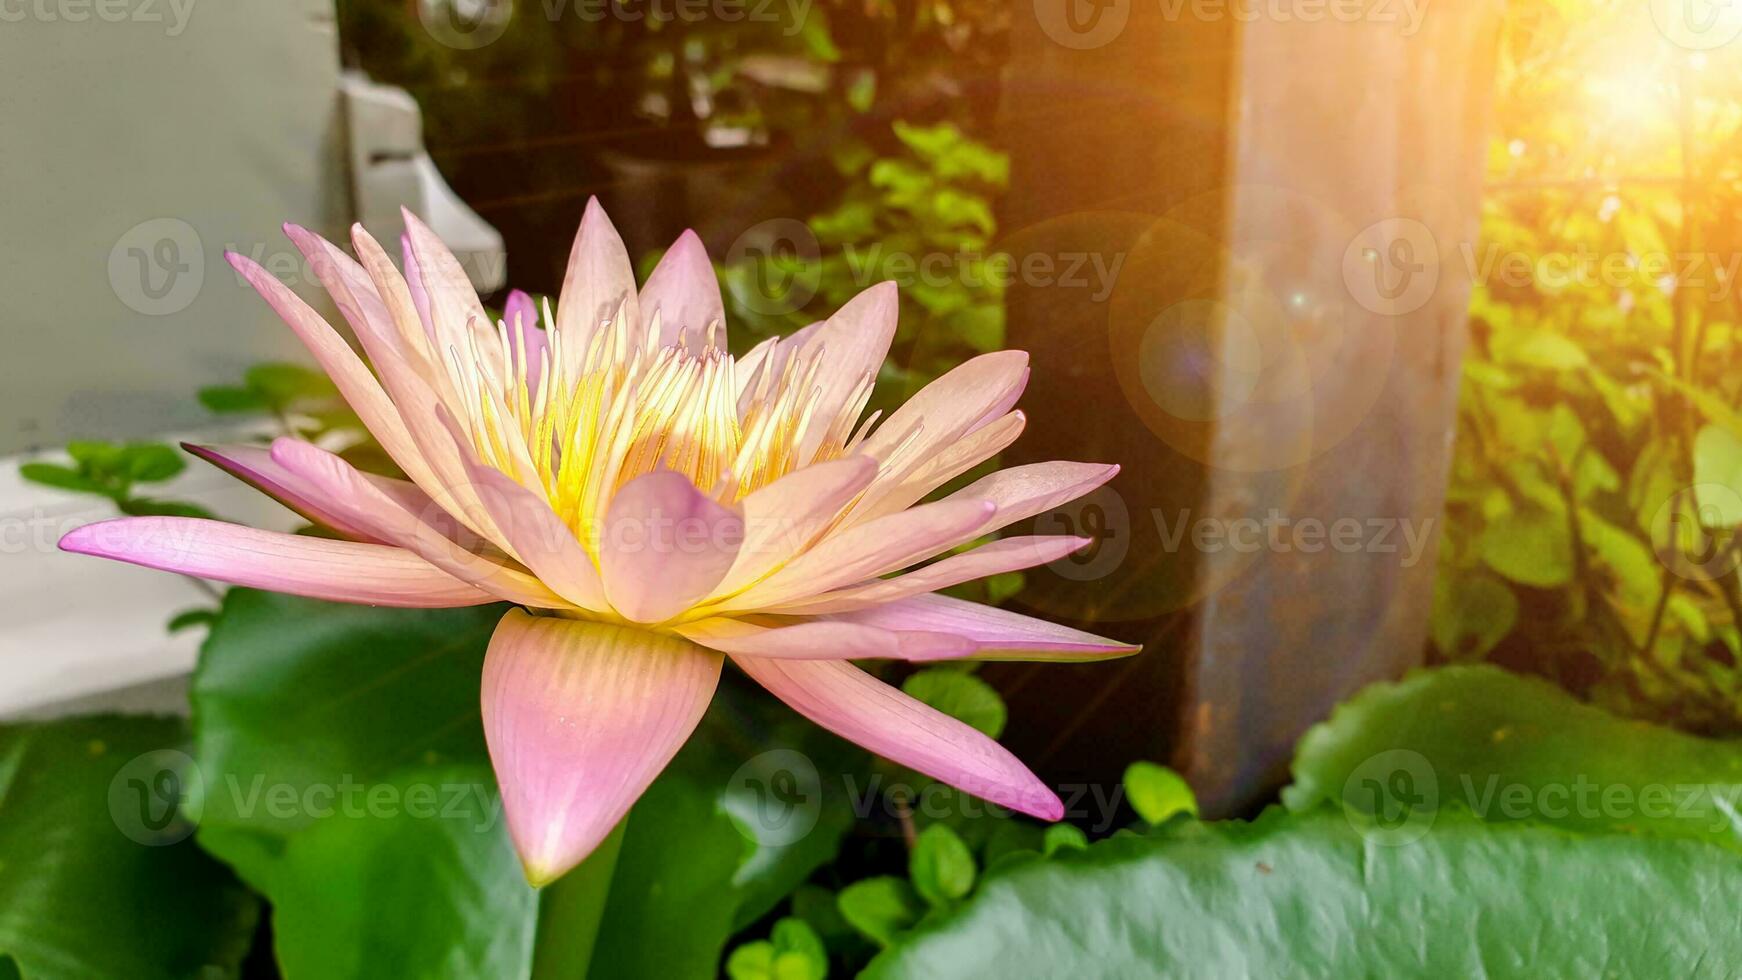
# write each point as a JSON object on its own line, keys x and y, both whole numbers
{"x": 653, "y": 505}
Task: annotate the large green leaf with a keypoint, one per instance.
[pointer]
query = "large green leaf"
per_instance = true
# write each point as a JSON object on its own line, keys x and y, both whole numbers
{"x": 1309, "y": 896}
{"x": 97, "y": 878}
{"x": 347, "y": 780}
{"x": 752, "y": 805}
{"x": 1506, "y": 747}
{"x": 317, "y": 697}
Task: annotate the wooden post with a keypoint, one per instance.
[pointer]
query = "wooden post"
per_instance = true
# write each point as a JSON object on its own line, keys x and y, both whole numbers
{"x": 1288, "y": 191}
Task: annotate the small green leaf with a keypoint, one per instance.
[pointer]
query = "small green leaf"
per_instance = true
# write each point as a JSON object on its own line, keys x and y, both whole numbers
{"x": 149, "y": 462}
{"x": 1063, "y": 836}
{"x": 1530, "y": 547}
{"x": 190, "y": 618}
{"x": 148, "y": 507}
{"x": 961, "y": 696}
{"x": 1157, "y": 792}
{"x": 1718, "y": 476}
{"x": 95, "y": 457}
{"x": 231, "y": 398}
{"x": 62, "y": 478}
{"x": 880, "y": 908}
{"x": 941, "y": 865}
{"x": 751, "y": 961}
{"x": 280, "y": 384}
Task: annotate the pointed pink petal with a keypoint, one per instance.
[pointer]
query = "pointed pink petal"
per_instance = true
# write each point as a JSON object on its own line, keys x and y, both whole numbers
{"x": 440, "y": 473}
{"x": 900, "y": 492}
{"x": 580, "y": 717}
{"x": 683, "y": 292}
{"x": 1022, "y": 492}
{"x": 786, "y": 516}
{"x": 414, "y": 282}
{"x": 746, "y": 368}
{"x": 255, "y": 466}
{"x": 362, "y": 305}
{"x": 994, "y": 558}
{"x": 824, "y": 640}
{"x": 521, "y": 315}
{"x": 862, "y": 709}
{"x": 854, "y": 343}
{"x": 454, "y": 308}
{"x": 952, "y": 406}
{"x": 342, "y": 571}
{"x": 358, "y": 387}
{"x": 866, "y": 551}
{"x": 365, "y": 505}
{"x": 999, "y": 634}
{"x": 664, "y": 545}
{"x": 599, "y": 279}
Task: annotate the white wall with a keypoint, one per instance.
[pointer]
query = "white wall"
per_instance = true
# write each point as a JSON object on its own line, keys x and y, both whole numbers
{"x": 163, "y": 129}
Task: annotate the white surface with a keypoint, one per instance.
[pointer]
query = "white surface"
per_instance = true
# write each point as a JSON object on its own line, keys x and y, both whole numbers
{"x": 390, "y": 169}
{"x": 78, "y": 626}
{"x": 142, "y": 148}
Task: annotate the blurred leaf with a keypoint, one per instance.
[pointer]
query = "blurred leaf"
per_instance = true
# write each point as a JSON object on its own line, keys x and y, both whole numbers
{"x": 1718, "y": 476}
{"x": 1157, "y": 793}
{"x": 880, "y": 907}
{"x": 1530, "y": 547}
{"x": 148, "y": 507}
{"x": 1254, "y": 900}
{"x": 190, "y": 618}
{"x": 78, "y": 896}
{"x": 941, "y": 866}
{"x": 794, "y": 953}
{"x": 1472, "y": 613}
{"x": 62, "y": 478}
{"x": 280, "y": 384}
{"x": 961, "y": 696}
{"x": 230, "y": 398}
{"x": 150, "y": 462}
{"x": 1062, "y": 836}
{"x": 304, "y": 711}
{"x": 1511, "y": 748}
